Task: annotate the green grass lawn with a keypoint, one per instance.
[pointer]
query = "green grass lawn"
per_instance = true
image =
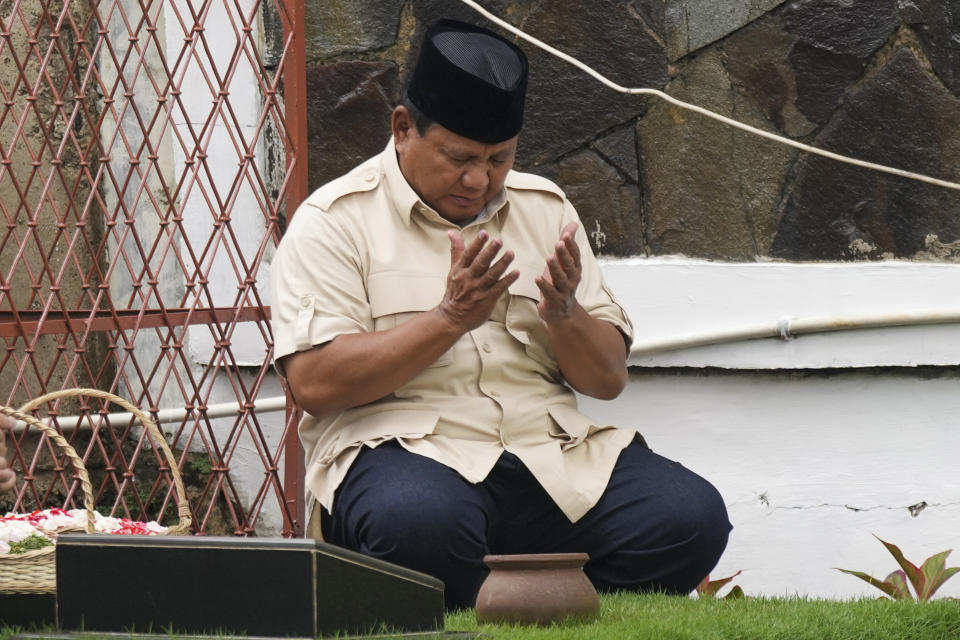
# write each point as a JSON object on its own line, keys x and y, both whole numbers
{"x": 633, "y": 617}
{"x": 649, "y": 617}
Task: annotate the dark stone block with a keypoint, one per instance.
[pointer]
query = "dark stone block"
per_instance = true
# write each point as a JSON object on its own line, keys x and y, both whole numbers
{"x": 251, "y": 586}
{"x": 619, "y": 147}
{"x": 901, "y": 117}
{"x": 822, "y": 78}
{"x": 608, "y": 208}
{"x": 693, "y": 25}
{"x": 429, "y": 11}
{"x": 653, "y": 13}
{"x": 938, "y": 24}
{"x": 565, "y": 107}
{"x": 711, "y": 191}
{"x": 30, "y": 610}
{"x": 840, "y": 26}
{"x": 332, "y": 28}
{"x": 348, "y": 115}
{"x": 910, "y": 12}
{"x": 757, "y": 61}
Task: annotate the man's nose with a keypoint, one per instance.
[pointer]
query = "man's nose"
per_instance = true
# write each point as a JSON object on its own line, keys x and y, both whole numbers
{"x": 475, "y": 177}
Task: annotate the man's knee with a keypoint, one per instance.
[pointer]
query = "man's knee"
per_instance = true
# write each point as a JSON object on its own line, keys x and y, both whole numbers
{"x": 682, "y": 504}
{"x": 674, "y": 540}
{"x": 705, "y": 528}
{"x": 700, "y": 516}
{"x": 688, "y": 549}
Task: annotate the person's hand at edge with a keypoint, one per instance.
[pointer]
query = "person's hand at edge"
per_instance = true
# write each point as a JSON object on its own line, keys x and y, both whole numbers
{"x": 7, "y": 477}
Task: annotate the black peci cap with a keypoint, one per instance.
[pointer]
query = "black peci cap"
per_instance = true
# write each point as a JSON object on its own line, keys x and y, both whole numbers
{"x": 470, "y": 81}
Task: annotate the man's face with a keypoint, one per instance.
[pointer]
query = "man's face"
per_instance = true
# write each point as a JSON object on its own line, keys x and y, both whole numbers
{"x": 456, "y": 176}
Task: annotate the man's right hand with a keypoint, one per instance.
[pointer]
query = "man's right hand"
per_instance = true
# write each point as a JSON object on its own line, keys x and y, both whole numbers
{"x": 358, "y": 368}
{"x": 7, "y": 476}
{"x": 475, "y": 281}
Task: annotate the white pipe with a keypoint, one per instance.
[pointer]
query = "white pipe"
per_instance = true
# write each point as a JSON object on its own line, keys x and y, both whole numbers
{"x": 785, "y": 329}
{"x": 220, "y": 410}
{"x": 788, "y": 328}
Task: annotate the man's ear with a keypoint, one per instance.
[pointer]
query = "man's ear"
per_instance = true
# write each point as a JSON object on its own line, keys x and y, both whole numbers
{"x": 402, "y": 124}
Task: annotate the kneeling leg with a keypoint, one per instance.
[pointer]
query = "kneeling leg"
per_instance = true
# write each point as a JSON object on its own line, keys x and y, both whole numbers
{"x": 659, "y": 526}
{"x": 407, "y": 509}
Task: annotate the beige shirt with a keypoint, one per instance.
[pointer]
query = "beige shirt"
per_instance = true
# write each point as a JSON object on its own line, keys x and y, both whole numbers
{"x": 363, "y": 253}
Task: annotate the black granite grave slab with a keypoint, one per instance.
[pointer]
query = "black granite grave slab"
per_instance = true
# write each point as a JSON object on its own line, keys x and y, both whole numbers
{"x": 249, "y": 586}
{"x": 28, "y": 610}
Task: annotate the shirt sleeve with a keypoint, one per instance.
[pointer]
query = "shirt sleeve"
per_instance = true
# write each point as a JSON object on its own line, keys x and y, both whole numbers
{"x": 317, "y": 285}
{"x": 592, "y": 293}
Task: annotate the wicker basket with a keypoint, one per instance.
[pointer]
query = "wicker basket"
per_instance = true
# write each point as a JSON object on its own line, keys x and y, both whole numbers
{"x": 34, "y": 571}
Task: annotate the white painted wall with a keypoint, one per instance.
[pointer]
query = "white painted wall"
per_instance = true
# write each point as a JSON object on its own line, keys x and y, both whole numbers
{"x": 810, "y": 466}
{"x": 816, "y": 443}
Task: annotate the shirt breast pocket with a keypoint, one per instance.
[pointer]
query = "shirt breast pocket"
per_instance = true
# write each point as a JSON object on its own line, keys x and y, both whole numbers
{"x": 398, "y": 296}
{"x": 523, "y": 319}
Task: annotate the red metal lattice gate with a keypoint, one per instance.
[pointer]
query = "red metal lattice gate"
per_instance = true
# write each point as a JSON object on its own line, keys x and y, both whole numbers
{"x": 148, "y": 154}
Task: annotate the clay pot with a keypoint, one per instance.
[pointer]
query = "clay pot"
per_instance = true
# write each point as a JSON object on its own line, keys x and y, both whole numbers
{"x": 537, "y": 589}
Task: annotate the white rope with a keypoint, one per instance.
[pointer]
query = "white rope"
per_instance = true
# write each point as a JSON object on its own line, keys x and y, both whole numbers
{"x": 706, "y": 112}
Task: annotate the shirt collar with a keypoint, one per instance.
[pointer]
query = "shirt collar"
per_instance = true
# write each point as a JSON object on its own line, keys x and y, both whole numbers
{"x": 405, "y": 200}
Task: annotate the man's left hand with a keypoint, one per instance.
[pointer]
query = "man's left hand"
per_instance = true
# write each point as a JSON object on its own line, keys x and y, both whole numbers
{"x": 558, "y": 283}
{"x": 589, "y": 351}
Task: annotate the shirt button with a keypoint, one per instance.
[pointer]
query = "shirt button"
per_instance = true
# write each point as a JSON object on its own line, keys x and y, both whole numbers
{"x": 487, "y": 348}
{"x": 305, "y": 302}
{"x": 370, "y": 177}
{"x": 495, "y": 394}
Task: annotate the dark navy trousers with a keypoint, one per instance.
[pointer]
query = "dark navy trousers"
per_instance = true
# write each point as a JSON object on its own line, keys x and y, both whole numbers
{"x": 658, "y": 526}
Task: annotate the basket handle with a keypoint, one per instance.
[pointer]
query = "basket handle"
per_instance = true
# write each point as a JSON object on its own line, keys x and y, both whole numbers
{"x": 65, "y": 447}
{"x": 183, "y": 507}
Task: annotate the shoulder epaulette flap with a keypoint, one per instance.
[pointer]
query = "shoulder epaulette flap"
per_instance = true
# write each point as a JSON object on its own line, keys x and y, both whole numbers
{"x": 532, "y": 182}
{"x": 363, "y": 178}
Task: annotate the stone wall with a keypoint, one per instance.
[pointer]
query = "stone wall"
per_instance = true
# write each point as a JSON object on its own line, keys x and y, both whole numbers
{"x": 876, "y": 79}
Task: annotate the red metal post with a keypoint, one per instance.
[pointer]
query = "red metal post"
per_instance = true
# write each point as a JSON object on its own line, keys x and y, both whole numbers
{"x": 295, "y": 102}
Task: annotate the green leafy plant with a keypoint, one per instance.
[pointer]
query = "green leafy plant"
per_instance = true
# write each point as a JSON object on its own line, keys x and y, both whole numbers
{"x": 200, "y": 465}
{"x": 31, "y": 542}
{"x": 708, "y": 588}
{"x": 925, "y": 579}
